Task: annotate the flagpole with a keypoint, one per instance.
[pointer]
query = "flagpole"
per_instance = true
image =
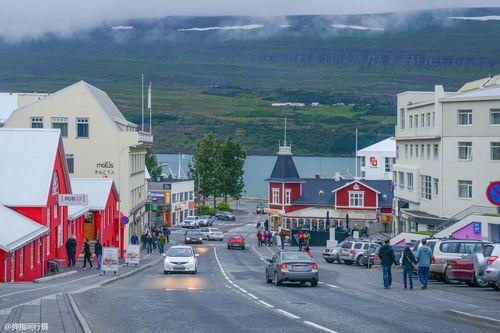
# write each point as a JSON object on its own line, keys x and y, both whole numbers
{"x": 142, "y": 100}
{"x": 179, "y": 170}
{"x": 150, "y": 106}
{"x": 356, "y": 155}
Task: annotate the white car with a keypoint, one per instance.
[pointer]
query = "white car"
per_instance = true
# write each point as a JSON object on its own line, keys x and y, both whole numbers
{"x": 212, "y": 234}
{"x": 191, "y": 222}
{"x": 204, "y": 220}
{"x": 180, "y": 258}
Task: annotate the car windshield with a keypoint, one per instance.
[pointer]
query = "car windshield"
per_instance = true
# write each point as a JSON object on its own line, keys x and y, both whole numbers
{"x": 347, "y": 245}
{"x": 204, "y": 217}
{"x": 190, "y": 218}
{"x": 291, "y": 256}
{"x": 193, "y": 234}
{"x": 180, "y": 252}
{"x": 237, "y": 237}
{"x": 214, "y": 230}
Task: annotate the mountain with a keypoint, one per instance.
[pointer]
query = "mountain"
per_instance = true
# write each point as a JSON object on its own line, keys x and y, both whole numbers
{"x": 221, "y": 74}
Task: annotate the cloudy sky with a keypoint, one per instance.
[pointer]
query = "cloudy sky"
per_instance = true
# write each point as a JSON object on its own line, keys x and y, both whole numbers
{"x": 32, "y": 18}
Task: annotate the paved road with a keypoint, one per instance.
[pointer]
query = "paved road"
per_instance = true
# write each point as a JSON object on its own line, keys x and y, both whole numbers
{"x": 229, "y": 294}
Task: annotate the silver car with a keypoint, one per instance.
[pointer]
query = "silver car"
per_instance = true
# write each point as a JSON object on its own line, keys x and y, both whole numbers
{"x": 293, "y": 267}
{"x": 487, "y": 266}
{"x": 212, "y": 234}
{"x": 331, "y": 254}
{"x": 352, "y": 251}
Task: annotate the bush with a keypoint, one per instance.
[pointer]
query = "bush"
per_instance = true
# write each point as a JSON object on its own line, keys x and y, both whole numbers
{"x": 224, "y": 206}
{"x": 205, "y": 210}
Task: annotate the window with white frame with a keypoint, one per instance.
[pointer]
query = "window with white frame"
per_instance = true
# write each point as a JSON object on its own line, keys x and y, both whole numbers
{"x": 362, "y": 161}
{"x": 428, "y": 119}
{"x": 21, "y": 261}
{"x": 60, "y": 235}
{"x": 55, "y": 183}
{"x": 395, "y": 179}
{"x": 406, "y": 151}
{"x": 411, "y": 151}
{"x": 416, "y": 121}
{"x": 389, "y": 162}
{"x": 82, "y": 127}
{"x": 55, "y": 210}
{"x": 435, "y": 149}
{"x": 36, "y": 122}
{"x": 401, "y": 181}
{"x": 410, "y": 121}
{"x": 436, "y": 186}
{"x": 62, "y": 124}
{"x": 422, "y": 151}
{"x": 495, "y": 151}
{"x": 464, "y": 117}
{"x": 48, "y": 217}
{"x": 409, "y": 180}
{"x": 32, "y": 254}
{"x": 433, "y": 119}
{"x": 276, "y": 195}
{"x": 425, "y": 187}
{"x": 38, "y": 258}
{"x": 356, "y": 199}
{"x": 428, "y": 151}
{"x": 465, "y": 151}
{"x": 416, "y": 150}
{"x": 465, "y": 189}
{"x": 402, "y": 115}
{"x": 422, "y": 120}
{"x": 288, "y": 194}
{"x": 495, "y": 117}
{"x": 47, "y": 244}
{"x": 70, "y": 162}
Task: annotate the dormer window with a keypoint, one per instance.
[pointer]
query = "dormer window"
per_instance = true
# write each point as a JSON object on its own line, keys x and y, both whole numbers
{"x": 55, "y": 183}
{"x": 356, "y": 199}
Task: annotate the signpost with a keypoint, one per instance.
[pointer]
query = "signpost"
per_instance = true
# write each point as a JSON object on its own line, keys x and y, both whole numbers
{"x": 109, "y": 260}
{"x": 73, "y": 200}
{"x": 124, "y": 220}
{"x": 493, "y": 193}
{"x": 133, "y": 254}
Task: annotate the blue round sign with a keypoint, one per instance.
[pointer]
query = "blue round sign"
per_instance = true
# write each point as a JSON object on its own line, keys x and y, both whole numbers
{"x": 124, "y": 220}
{"x": 493, "y": 193}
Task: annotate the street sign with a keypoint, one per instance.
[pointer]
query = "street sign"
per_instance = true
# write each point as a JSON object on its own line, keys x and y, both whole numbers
{"x": 124, "y": 220}
{"x": 476, "y": 227}
{"x": 73, "y": 200}
{"x": 493, "y": 193}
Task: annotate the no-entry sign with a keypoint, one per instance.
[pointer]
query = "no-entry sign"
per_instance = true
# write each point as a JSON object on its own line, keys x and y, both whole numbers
{"x": 493, "y": 193}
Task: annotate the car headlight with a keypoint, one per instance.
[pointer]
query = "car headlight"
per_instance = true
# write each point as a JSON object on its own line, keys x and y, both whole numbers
{"x": 200, "y": 238}
{"x": 191, "y": 261}
{"x": 167, "y": 261}
{"x": 187, "y": 238}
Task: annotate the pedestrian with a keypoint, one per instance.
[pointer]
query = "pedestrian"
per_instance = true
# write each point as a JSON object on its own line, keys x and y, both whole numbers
{"x": 282, "y": 238}
{"x": 266, "y": 225}
{"x": 275, "y": 238}
{"x": 155, "y": 241}
{"x": 424, "y": 258}
{"x": 167, "y": 234}
{"x": 269, "y": 238}
{"x": 74, "y": 245}
{"x": 387, "y": 257}
{"x": 70, "y": 251}
{"x": 86, "y": 254}
{"x": 149, "y": 243}
{"x": 307, "y": 238}
{"x": 98, "y": 253}
{"x": 258, "y": 225}
{"x": 308, "y": 251}
{"x": 134, "y": 239}
{"x": 408, "y": 261}
{"x": 161, "y": 242}
{"x": 264, "y": 237}
{"x": 301, "y": 240}
{"x": 259, "y": 238}
{"x": 144, "y": 240}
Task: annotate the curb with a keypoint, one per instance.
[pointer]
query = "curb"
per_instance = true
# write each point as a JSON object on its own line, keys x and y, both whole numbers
{"x": 154, "y": 262}
{"x": 475, "y": 318}
{"x": 52, "y": 277}
{"x": 79, "y": 316}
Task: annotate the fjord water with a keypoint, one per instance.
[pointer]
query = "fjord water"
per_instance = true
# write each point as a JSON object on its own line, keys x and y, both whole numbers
{"x": 258, "y": 168}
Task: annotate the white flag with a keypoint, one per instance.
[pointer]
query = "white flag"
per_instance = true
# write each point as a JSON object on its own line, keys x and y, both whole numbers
{"x": 149, "y": 96}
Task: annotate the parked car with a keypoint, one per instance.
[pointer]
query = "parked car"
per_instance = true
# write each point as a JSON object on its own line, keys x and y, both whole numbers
{"x": 331, "y": 254}
{"x": 463, "y": 270}
{"x": 260, "y": 209}
{"x": 487, "y": 266}
{"x": 193, "y": 236}
{"x": 352, "y": 250}
{"x": 180, "y": 258}
{"x": 205, "y": 220}
{"x": 293, "y": 267}
{"x": 370, "y": 256}
{"x": 212, "y": 234}
{"x": 225, "y": 216}
{"x": 191, "y": 222}
{"x": 451, "y": 249}
{"x": 236, "y": 241}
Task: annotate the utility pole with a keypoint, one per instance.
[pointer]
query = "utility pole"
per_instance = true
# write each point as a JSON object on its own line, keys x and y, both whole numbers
{"x": 356, "y": 156}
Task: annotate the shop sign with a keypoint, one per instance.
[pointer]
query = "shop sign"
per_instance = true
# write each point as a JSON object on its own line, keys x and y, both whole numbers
{"x": 167, "y": 186}
{"x": 373, "y": 162}
{"x": 105, "y": 169}
{"x": 110, "y": 259}
{"x": 476, "y": 226}
{"x": 133, "y": 254}
{"x": 167, "y": 197}
{"x": 73, "y": 199}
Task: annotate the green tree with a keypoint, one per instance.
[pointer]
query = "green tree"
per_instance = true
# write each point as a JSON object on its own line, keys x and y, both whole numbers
{"x": 152, "y": 164}
{"x": 231, "y": 169}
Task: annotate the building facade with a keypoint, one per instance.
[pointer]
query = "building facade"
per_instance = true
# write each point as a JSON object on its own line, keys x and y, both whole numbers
{"x": 448, "y": 152}
{"x": 172, "y": 199}
{"x": 376, "y": 161}
{"x": 98, "y": 140}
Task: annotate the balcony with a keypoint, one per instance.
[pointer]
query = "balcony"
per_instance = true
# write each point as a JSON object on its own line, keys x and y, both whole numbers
{"x": 146, "y": 138}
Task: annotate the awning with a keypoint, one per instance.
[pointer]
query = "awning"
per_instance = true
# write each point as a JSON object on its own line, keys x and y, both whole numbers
{"x": 421, "y": 217}
{"x": 17, "y": 230}
{"x": 320, "y": 213}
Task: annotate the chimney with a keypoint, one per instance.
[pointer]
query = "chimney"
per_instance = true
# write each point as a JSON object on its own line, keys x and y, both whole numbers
{"x": 317, "y": 176}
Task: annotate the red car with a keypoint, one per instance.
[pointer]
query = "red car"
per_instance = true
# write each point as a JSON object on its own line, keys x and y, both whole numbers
{"x": 463, "y": 270}
{"x": 236, "y": 241}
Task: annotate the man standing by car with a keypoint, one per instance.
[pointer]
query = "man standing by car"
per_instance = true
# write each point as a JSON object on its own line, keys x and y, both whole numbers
{"x": 387, "y": 258}
{"x": 424, "y": 257}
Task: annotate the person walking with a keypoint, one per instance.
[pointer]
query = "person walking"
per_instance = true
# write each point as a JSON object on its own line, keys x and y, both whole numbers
{"x": 86, "y": 254}
{"x": 167, "y": 234}
{"x": 98, "y": 253}
{"x": 424, "y": 258}
{"x": 307, "y": 238}
{"x": 282, "y": 238}
{"x": 259, "y": 238}
{"x": 155, "y": 241}
{"x": 149, "y": 243}
{"x": 264, "y": 237}
{"x": 266, "y": 225}
{"x": 408, "y": 261}
{"x": 144, "y": 241}
{"x": 301, "y": 240}
{"x": 387, "y": 257}
{"x": 70, "y": 251}
{"x": 258, "y": 225}
{"x": 134, "y": 239}
{"x": 161, "y": 243}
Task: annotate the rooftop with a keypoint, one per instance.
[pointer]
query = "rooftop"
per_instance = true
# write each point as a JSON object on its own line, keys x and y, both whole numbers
{"x": 387, "y": 145}
{"x": 97, "y": 189}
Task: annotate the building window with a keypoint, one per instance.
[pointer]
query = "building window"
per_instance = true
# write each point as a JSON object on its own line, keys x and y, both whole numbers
{"x": 422, "y": 151}
{"x": 60, "y": 235}
{"x": 56, "y": 209}
{"x": 495, "y": 151}
{"x": 435, "y": 149}
{"x": 362, "y": 161}
{"x": 465, "y": 151}
{"x": 422, "y": 120}
{"x": 395, "y": 179}
{"x": 363, "y": 174}
{"x": 21, "y": 261}
{"x": 55, "y": 183}
{"x": 389, "y": 162}
{"x": 39, "y": 251}
{"x": 36, "y": 122}
{"x": 428, "y": 120}
{"x": 401, "y": 182}
{"x": 32, "y": 254}
{"x": 416, "y": 150}
{"x": 356, "y": 199}
{"x": 436, "y": 186}
{"x": 428, "y": 151}
{"x": 495, "y": 117}
{"x": 402, "y": 118}
{"x": 70, "y": 162}
{"x": 465, "y": 189}
{"x": 416, "y": 121}
{"x": 288, "y": 197}
{"x": 410, "y": 118}
{"x": 82, "y": 127}
{"x": 406, "y": 151}
{"x": 409, "y": 179}
{"x": 276, "y": 195}
{"x": 62, "y": 124}
{"x": 433, "y": 119}
{"x": 411, "y": 151}
{"x": 464, "y": 117}
{"x": 425, "y": 187}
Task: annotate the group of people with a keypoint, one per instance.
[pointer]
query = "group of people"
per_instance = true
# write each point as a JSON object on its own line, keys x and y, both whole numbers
{"x": 153, "y": 239}
{"x": 71, "y": 246}
{"x": 421, "y": 261}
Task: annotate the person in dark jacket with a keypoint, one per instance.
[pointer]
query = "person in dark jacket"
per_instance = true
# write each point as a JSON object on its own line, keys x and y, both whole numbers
{"x": 134, "y": 239}
{"x": 387, "y": 257}
{"x": 407, "y": 261}
{"x": 71, "y": 250}
{"x": 149, "y": 243}
{"x": 144, "y": 241}
{"x": 259, "y": 238}
{"x": 98, "y": 253}
{"x": 167, "y": 234}
{"x": 86, "y": 254}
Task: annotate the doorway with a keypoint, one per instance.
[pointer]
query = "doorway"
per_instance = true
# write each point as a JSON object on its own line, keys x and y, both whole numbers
{"x": 88, "y": 227}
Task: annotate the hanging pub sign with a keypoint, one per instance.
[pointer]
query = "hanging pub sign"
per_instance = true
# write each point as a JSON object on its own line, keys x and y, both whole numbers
{"x": 73, "y": 200}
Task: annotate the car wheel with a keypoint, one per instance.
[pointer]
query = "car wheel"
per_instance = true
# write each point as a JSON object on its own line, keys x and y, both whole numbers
{"x": 358, "y": 261}
{"x": 340, "y": 261}
{"x": 329, "y": 260}
{"x": 496, "y": 286}
{"x": 277, "y": 282}
{"x": 314, "y": 283}
{"x": 348, "y": 262}
{"x": 229, "y": 247}
{"x": 195, "y": 271}
{"x": 469, "y": 283}
{"x": 479, "y": 283}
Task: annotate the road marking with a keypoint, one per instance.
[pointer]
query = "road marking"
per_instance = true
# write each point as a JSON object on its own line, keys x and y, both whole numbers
{"x": 288, "y": 314}
{"x": 265, "y": 303}
{"x": 252, "y": 295}
{"x": 243, "y": 290}
{"x": 319, "y": 327}
{"x": 329, "y": 285}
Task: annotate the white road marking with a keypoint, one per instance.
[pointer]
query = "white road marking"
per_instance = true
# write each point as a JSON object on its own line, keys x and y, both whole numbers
{"x": 265, "y": 303}
{"x": 329, "y": 285}
{"x": 319, "y": 327}
{"x": 243, "y": 290}
{"x": 288, "y": 314}
{"x": 252, "y": 295}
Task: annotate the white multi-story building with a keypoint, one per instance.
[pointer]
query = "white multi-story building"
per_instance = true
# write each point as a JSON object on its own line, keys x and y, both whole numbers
{"x": 173, "y": 198}
{"x": 448, "y": 152}
{"x": 375, "y": 161}
{"x": 98, "y": 142}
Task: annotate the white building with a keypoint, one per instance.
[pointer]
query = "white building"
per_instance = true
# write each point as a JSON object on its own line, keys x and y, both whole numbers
{"x": 98, "y": 141}
{"x": 448, "y": 152}
{"x": 11, "y": 101}
{"x": 375, "y": 161}
{"x": 173, "y": 198}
